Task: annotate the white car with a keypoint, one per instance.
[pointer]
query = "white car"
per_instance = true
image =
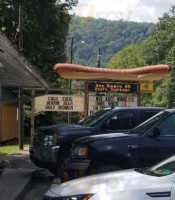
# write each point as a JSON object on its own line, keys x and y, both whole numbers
{"x": 157, "y": 182}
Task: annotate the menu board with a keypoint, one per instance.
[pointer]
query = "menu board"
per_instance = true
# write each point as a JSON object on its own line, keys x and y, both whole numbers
{"x": 97, "y": 103}
{"x": 113, "y": 87}
{"x": 59, "y": 103}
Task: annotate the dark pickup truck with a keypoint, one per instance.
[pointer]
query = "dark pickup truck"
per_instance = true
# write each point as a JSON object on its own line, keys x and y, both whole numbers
{"x": 51, "y": 145}
{"x": 143, "y": 146}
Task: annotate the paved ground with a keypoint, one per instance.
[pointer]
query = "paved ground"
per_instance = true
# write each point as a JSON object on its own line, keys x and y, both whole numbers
{"x": 13, "y": 182}
{"x": 21, "y": 175}
{"x": 38, "y": 186}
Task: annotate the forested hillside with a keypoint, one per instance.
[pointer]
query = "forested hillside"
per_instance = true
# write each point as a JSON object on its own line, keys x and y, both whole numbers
{"x": 158, "y": 49}
{"x": 110, "y": 36}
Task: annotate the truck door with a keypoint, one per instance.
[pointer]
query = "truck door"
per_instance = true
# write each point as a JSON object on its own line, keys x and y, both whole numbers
{"x": 155, "y": 149}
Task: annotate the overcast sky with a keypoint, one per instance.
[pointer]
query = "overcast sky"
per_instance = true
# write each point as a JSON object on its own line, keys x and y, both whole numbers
{"x": 132, "y": 10}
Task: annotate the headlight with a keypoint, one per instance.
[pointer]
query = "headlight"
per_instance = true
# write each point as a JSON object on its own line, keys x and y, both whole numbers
{"x": 50, "y": 140}
{"x": 80, "y": 151}
{"x": 76, "y": 197}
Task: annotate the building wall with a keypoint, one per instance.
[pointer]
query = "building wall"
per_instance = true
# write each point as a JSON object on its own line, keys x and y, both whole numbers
{"x": 9, "y": 122}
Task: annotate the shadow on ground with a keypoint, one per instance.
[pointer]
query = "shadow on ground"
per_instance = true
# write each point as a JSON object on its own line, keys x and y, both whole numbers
{"x": 18, "y": 160}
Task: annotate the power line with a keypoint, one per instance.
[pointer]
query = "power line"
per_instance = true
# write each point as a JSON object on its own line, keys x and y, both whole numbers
{"x": 137, "y": 6}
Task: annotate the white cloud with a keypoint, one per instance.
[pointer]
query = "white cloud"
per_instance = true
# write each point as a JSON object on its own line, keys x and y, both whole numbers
{"x": 133, "y": 10}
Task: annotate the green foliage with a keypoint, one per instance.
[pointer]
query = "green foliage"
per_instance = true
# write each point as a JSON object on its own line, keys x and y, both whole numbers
{"x": 110, "y": 36}
{"x": 158, "y": 49}
{"x": 46, "y": 24}
{"x": 130, "y": 57}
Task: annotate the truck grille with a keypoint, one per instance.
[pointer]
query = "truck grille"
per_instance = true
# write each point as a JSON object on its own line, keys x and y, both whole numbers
{"x": 38, "y": 139}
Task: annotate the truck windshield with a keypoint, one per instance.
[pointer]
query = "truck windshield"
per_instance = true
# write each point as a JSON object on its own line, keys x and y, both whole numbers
{"x": 94, "y": 119}
{"x": 149, "y": 123}
{"x": 164, "y": 168}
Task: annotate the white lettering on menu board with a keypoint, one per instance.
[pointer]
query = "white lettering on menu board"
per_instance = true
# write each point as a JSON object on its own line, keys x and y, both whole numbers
{"x": 97, "y": 103}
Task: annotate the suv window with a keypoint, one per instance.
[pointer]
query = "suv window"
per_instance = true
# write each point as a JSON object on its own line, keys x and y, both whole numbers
{"x": 167, "y": 127}
{"x": 121, "y": 121}
{"x": 146, "y": 114}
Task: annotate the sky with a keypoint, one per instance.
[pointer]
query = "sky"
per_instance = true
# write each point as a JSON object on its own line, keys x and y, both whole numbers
{"x": 130, "y": 10}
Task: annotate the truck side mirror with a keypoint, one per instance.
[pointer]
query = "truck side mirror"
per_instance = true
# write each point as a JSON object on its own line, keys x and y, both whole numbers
{"x": 156, "y": 132}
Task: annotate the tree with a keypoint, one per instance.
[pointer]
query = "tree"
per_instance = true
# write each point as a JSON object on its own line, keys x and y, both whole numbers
{"x": 158, "y": 49}
{"x": 110, "y": 36}
{"x": 46, "y": 24}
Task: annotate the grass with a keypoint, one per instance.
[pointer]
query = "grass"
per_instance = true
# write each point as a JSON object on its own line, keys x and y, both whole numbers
{"x": 9, "y": 149}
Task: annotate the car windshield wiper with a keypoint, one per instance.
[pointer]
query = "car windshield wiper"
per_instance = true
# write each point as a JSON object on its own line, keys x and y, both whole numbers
{"x": 147, "y": 172}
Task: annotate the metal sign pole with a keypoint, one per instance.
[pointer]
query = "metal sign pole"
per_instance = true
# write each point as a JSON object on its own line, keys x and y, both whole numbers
{"x": 138, "y": 95}
{"x": 86, "y": 100}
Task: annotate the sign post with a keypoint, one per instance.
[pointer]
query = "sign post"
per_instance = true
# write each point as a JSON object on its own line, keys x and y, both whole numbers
{"x": 86, "y": 100}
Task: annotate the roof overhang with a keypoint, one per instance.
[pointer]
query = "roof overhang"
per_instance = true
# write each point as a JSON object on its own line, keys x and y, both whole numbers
{"x": 83, "y": 73}
{"x": 14, "y": 69}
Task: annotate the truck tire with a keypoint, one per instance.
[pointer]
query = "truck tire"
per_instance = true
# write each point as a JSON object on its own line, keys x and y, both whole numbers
{"x": 59, "y": 167}
{"x": 108, "y": 168}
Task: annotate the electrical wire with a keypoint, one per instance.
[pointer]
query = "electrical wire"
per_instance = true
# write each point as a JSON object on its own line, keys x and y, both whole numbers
{"x": 62, "y": 54}
{"x": 137, "y": 6}
{"x": 132, "y": 13}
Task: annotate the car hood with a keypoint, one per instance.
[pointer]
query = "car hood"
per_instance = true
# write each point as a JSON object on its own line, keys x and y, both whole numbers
{"x": 62, "y": 128}
{"x": 94, "y": 138}
{"x": 113, "y": 181}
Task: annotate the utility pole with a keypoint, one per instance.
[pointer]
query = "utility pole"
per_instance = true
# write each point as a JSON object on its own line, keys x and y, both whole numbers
{"x": 71, "y": 58}
{"x": 99, "y": 58}
{"x": 21, "y": 102}
{"x": 70, "y": 82}
{"x": 20, "y": 26}
{"x": 71, "y": 50}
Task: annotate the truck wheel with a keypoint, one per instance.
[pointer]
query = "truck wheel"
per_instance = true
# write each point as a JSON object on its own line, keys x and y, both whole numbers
{"x": 108, "y": 168}
{"x": 59, "y": 169}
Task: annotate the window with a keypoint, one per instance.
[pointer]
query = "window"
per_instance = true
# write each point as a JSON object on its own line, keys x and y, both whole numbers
{"x": 146, "y": 114}
{"x": 145, "y": 126}
{"x": 164, "y": 168}
{"x": 121, "y": 121}
{"x": 95, "y": 118}
{"x": 167, "y": 127}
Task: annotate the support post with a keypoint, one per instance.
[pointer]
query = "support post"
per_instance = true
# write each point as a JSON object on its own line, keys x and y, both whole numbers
{"x": 86, "y": 100}
{"x": 138, "y": 95}
{"x": 21, "y": 118}
{"x": 32, "y": 126}
{"x": 0, "y": 113}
